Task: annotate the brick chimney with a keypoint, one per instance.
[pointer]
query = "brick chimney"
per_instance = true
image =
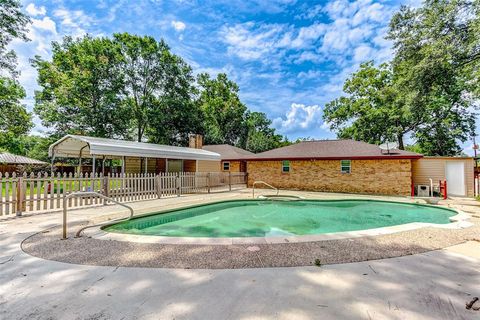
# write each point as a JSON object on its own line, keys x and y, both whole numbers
{"x": 195, "y": 141}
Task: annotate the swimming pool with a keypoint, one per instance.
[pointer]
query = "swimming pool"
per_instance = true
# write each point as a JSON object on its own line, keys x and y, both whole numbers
{"x": 266, "y": 218}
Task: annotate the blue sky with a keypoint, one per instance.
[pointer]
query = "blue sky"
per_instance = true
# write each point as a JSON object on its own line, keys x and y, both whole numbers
{"x": 289, "y": 57}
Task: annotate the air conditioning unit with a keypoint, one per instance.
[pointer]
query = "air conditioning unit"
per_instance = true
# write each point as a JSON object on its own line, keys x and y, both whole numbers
{"x": 423, "y": 191}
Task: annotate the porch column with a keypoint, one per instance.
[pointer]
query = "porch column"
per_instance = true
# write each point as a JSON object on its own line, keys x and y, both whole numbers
{"x": 146, "y": 165}
{"x": 51, "y": 164}
{"x": 103, "y": 165}
{"x": 93, "y": 165}
{"x": 123, "y": 165}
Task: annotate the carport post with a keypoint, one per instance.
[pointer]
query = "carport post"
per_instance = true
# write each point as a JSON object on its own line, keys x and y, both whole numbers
{"x": 103, "y": 165}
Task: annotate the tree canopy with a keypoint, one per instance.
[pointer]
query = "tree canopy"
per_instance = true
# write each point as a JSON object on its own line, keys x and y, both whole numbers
{"x": 15, "y": 120}
{"x": 13, "y": 25}
{"x": 134, "y": 87}
{"x": 428, "y": 92}
{"x": 81, "y": 89}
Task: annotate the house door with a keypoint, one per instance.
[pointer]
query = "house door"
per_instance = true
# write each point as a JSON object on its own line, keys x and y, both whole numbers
{"x": 455, "y": 174}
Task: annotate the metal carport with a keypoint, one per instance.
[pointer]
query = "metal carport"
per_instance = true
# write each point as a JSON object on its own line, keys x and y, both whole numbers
{"x": 75, "y": 146}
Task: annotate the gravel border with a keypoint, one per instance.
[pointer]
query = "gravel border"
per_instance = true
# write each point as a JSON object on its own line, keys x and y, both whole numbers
{"x": 90, "y": 251}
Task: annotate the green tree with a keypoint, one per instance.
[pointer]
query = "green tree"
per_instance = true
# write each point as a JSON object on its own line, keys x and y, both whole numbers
{"x": 259, "y": 136}
{"x": 81, "y": 88}
{"x": 174, "y": 114}
{"x": 374, "y": 110}
{"x": 15, "y": 119}
{"x": 143, "y": 67}
{"x": 224, "y": 113}
{"x": 428, "y": 91}
{"x": 13, "y": 25}
{"x": 437, "y": 58}
{"x": 35, "y": 147}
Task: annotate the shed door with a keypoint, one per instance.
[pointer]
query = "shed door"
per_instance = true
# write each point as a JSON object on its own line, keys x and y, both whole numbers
{"x": 455, "y": 174}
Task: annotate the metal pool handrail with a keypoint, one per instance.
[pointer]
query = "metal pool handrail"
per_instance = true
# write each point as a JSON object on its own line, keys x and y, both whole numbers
{"x": 262, "y": 182}
{"x": 86, "y": 194}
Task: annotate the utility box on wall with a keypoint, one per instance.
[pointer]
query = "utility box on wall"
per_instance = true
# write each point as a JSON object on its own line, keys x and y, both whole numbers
{"x": 423, "y": 191}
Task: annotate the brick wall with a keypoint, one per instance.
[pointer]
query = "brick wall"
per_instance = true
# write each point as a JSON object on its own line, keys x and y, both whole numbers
{"x": 392, "y": 177}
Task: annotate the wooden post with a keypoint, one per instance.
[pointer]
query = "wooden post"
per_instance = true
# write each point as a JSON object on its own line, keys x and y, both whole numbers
{"x": 20, "y": 196}
{"x": 229, "y": 181}
{"x": 177, "y": 182}
{"x": 106, "y": 186}
{"x": 208, "y": 182}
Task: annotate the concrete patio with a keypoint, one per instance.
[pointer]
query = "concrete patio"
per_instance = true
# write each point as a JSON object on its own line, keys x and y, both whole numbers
{"x": 431, "y": 285}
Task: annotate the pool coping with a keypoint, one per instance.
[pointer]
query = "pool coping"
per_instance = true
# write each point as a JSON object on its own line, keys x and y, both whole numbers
{"x": 458, "y": 221}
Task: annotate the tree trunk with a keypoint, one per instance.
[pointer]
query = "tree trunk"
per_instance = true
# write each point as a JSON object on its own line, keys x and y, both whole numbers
{"x": 139, "y": 133}
{"x": 400, "y": 142}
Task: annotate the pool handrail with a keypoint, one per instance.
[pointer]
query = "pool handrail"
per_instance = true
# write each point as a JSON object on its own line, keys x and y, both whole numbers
{"x": 86, "y": 194}
{"x": 262, "y": 182}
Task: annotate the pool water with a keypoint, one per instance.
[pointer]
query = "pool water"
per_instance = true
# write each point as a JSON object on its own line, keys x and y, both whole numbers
{"x": 266, "y": 218}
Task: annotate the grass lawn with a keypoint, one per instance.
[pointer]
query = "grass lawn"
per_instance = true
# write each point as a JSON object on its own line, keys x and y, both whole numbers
{"x": 85, "y": 184}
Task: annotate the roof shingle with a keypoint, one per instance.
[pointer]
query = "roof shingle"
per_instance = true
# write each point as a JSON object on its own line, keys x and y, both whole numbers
{"x": 228, "y": 152}
{"x": 332, "y": 149}
{"x": 9, "y": 158}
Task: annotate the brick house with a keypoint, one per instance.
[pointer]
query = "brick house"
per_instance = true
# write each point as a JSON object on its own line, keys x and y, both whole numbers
{"x": 335, "y": 166}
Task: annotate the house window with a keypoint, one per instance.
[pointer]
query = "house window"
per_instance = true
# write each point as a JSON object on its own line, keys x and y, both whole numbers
{"x": 226, "y": 166}
{"x": 346, "y": 166}
{"x": 285, "y": 166}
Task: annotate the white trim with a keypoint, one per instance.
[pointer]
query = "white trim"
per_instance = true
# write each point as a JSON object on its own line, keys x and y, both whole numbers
{"x": 70, "y": 145}
{"x": 223, "y": 165}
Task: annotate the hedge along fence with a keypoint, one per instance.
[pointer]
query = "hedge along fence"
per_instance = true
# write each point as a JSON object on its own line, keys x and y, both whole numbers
{"x": 43, "y": 192}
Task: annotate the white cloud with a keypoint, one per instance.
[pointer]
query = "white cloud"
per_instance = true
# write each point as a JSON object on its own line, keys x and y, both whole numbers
{"x": 35, "y": 11}
{"x": 250, "y": 41}
{"x": 179, "y": 26}
{"x": 299, "y": 118}
{"x": 310, "y": 74}
{"x": 46, "y": 24}
{"x": 362, "y": 53}
{"x": 307, "y": 35}
{"x": 73, "y": 22}
{"x": 308, "y": 56}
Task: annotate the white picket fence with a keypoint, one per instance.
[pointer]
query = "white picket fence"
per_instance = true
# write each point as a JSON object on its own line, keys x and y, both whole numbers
{"x": 43, "y": 192}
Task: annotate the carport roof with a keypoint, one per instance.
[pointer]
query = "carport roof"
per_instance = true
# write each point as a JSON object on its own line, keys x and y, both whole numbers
{"x": 71, "y": 145}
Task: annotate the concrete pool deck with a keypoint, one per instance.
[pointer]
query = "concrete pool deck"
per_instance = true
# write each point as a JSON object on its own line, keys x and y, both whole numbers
{"x": 431, "y": 285}
{"x": 361, "y": 246}
{"x": 364, "y": 245}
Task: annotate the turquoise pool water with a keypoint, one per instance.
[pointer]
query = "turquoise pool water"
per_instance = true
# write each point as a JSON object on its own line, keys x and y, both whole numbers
{"x": 265, "y": 218}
